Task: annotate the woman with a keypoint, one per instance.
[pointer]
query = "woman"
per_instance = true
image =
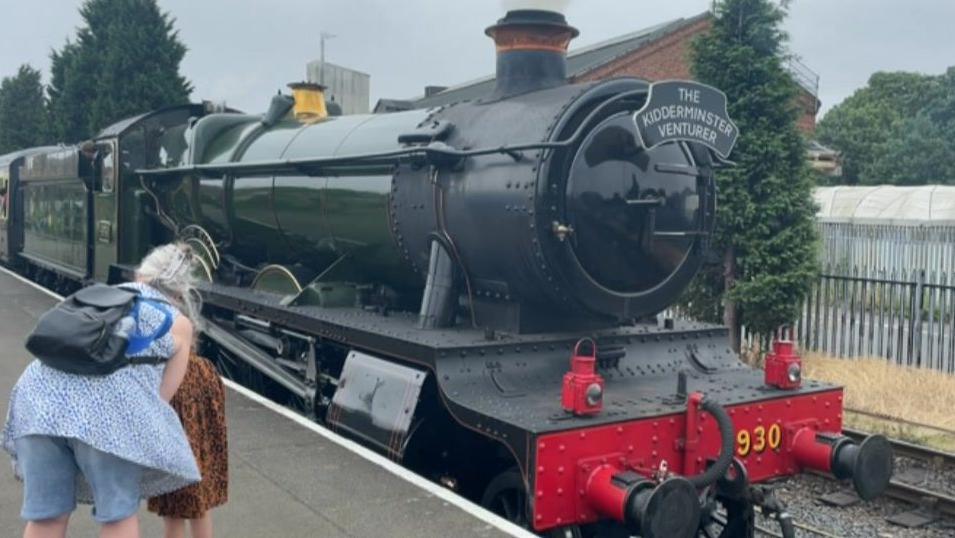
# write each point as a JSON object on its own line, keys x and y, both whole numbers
{"x": 200, "y": 403}
{"x": 114, "y": 439}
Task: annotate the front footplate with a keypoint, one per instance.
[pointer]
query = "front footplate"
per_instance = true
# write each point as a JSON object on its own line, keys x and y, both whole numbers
{"x": 774, "y": 438}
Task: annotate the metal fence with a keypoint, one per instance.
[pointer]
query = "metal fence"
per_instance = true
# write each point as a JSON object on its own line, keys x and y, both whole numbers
{"x": 886, "y": 290}
{"x": 879, "y": 250}
{"x": 907, "y": 316}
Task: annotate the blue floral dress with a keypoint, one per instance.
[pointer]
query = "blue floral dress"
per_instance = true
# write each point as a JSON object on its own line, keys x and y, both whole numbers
{"x": 121, "y": 413}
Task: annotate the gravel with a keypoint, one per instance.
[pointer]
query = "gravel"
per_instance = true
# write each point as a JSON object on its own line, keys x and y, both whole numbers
{"x": 864, "y": 519}
{"x": 933, "y": 476}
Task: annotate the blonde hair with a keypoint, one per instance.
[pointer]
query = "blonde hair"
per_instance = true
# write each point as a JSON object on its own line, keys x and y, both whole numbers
{"x": 171, "y": 269}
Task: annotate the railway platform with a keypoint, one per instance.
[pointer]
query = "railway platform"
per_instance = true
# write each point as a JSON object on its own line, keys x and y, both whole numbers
{"x": 288, "y": 476}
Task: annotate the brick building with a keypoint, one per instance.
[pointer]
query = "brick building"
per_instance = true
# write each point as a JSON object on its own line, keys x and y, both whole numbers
{"x": 657, "y": 53}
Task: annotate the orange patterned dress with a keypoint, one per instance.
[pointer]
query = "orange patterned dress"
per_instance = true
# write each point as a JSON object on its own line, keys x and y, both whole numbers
{"x": 200, "y": 403}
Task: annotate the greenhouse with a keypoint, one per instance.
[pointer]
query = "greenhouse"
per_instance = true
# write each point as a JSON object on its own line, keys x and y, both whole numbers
{"x": 881, "y": 230}
{"x": 887, "y": 287}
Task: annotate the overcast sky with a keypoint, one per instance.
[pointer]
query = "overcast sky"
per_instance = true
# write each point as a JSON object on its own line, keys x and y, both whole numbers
{"x": 242, "y": 51}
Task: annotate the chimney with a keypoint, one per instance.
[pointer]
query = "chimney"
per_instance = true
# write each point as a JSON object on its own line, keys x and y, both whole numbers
{"x": 531, "y": 51}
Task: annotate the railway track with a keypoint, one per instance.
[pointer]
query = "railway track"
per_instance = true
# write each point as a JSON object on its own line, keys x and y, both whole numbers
{"x": 909, "y": 450}
{"x": 812, "y": 531}
{"x": 943, "y": 503}
{"x": 765, "y": 530}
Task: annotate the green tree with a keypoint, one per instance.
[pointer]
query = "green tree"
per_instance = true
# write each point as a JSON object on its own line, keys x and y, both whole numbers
{"x": 920, "y": 153}
{"x": 867, "y": 127}
{"x": 22, "y": 112}
{"x": 942, "y": 109}
{"x": 69, "y": 93}
{"x": 124, "y": 61}
{"x": 765, "y": 236}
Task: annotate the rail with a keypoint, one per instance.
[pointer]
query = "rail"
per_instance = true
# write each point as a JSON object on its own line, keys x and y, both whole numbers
{"x": 943, "y": 503}
{"x": 762, "y": 529}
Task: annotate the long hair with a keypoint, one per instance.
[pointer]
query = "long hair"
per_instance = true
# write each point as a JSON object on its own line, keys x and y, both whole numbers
{"x": 171, "y": 269}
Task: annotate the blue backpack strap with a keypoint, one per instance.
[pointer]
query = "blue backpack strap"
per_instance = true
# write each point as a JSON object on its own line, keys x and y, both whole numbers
{"x": 138, "y": 343}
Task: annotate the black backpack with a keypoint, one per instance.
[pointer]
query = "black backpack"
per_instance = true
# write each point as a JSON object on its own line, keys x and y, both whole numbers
{"x": 79, "y": 335}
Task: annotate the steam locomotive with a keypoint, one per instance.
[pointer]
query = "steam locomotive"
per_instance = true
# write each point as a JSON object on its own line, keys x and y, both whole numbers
{"x": 470, "y": 289}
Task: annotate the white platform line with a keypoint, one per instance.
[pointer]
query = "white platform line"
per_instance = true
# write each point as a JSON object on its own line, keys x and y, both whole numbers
{"x": 32, "y": 284}
{"x": 442, "y": 493}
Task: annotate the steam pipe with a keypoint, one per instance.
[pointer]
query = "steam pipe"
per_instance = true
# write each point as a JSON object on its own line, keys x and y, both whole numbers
{"x": 727, "y": 442}
{"x": 439, "y": 298}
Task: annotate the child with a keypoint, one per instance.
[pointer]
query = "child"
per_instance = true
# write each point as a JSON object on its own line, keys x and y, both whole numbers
{"x": 200, "y": 403}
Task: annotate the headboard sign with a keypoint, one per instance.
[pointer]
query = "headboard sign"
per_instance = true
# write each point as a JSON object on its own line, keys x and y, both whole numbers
{"x": 681, "y": 110}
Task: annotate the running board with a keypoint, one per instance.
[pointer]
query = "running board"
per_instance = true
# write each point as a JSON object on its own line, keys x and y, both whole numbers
{"x": 257, "y": 359}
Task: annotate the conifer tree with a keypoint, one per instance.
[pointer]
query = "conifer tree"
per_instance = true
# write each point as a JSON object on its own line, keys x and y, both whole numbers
{"x": 69, "y": 93}
{"x": 124, "y": 61}
{"x": 22, "y": 112}
{"x": 765, "y": 236}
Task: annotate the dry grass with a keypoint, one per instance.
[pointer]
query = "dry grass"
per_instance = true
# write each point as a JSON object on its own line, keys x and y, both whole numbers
{"x": 879, "y": 387}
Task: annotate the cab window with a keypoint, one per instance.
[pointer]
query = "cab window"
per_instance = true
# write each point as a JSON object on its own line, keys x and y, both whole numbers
{"x": 107, "y": 167}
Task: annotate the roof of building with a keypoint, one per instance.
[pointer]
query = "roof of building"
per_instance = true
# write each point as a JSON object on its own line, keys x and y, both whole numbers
{"x": 814, "y": 147}
{"x": 579, "y": 62}
{"x": 887, "y": 204}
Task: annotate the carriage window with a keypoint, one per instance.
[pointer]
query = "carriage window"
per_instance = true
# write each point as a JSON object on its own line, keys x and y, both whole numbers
{"x": 107, "y": 169}
{"x": 4, "y": 185}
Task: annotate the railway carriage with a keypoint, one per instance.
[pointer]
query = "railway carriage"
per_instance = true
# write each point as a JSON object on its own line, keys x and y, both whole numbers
{"x": 76, "y": 211}
{"x": 11, "y": 208}
{"x": 471, "y": 290}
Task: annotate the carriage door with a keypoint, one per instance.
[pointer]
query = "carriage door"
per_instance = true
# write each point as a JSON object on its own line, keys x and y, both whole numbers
{"x": 104, "y": 208}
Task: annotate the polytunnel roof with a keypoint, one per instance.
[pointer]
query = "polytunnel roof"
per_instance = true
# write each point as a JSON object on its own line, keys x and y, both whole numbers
{"x": 887, "y": 204}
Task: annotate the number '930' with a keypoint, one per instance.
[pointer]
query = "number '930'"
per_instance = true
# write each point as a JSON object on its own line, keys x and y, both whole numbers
{"x": 758, "y": 439}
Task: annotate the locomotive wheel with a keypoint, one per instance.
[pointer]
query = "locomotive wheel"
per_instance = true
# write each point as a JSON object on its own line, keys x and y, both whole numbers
{"x": 506, "y": 496}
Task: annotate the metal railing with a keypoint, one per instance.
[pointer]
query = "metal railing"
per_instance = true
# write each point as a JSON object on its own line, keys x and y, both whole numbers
{"x": 802, "y": 75}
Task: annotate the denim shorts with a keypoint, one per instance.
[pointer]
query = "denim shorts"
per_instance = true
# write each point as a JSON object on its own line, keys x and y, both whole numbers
{"x": 50, "y": 467}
